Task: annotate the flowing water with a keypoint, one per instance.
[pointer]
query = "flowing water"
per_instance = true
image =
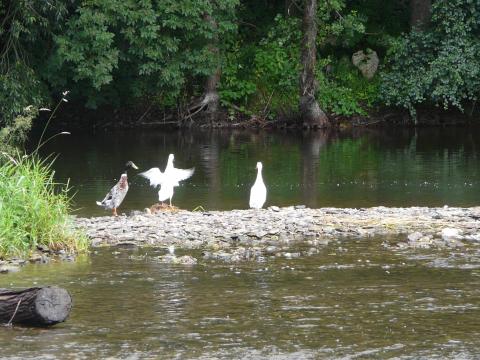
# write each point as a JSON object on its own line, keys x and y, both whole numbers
{"x": 353, "y": 300}
{"x": 356, "y": 299}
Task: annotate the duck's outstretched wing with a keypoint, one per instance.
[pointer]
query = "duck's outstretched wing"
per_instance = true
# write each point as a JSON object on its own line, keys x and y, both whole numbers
{"x": 181, "y": 174}
{"x": 155, "y": 176}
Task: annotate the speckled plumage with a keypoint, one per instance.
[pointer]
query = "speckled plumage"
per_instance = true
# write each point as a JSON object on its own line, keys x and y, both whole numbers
{"x": 117, "y": 193}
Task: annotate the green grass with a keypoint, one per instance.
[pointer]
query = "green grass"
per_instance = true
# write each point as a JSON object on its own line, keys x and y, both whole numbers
{"x": 34, "y": 210}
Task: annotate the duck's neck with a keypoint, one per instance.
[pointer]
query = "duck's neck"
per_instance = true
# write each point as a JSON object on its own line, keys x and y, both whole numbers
{"x": 123, "y": 182}
{"x": 259, "y": 175}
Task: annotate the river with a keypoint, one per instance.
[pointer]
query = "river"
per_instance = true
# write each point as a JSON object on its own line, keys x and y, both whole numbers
{"x": 355, "y": 299}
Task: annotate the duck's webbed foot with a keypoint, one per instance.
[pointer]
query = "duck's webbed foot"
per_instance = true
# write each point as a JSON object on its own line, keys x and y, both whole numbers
{"x": 115, "y": 212}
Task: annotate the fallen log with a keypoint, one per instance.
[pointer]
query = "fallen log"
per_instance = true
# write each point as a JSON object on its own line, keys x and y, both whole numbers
{"x": 35, "y": 306}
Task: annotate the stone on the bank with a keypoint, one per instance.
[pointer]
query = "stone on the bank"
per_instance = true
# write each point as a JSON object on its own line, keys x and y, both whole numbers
{"x": 4, "y": 269}
{"x": 271, "y": 250}
{"x": 367, "y": 62}
{"x": 181, "y": 260}
{"x": 451, "y": 234}
{"x": 473, "y": 237}
{"x": 414, "y": 237}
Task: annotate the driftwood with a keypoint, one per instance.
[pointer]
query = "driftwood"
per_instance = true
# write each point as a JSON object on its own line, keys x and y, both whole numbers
{"x": 35, "y": 306}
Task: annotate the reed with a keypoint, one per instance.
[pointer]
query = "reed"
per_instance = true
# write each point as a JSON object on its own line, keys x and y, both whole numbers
{"x": 34, "y": 209}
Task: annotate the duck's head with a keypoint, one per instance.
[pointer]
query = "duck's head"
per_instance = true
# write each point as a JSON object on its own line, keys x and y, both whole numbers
{"x": 259, "y": 165}
{"x": 130, "y": 164}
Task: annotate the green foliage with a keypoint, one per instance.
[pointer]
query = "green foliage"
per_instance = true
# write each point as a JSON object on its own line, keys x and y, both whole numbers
{"x": 344, "y": 91}
{"x": 150, "y": 48}
{"x": 337, "y": 24}
{"x": 277, "y": 65}
{"x": 159, "y": 52}
{"x": 17, "y": 131}
{"x": 440, "y": 65}
{"x": 26, "y": 29}
{"x": 33, "y": 208}
{"x": 272, "y": 79}
{"x": 237, "y": 84}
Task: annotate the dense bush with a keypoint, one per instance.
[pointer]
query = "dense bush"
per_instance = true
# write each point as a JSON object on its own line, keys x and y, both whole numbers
{"x": 440, "y": 65}
{"x": 161, "y": 52}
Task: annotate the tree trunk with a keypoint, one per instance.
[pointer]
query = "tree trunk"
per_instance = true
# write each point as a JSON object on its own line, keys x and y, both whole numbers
{"x": 35, "y": 306}
{"x": 211, "y": 98}
{"x": 311, "y": 114}
{"x": 420, "y": 13}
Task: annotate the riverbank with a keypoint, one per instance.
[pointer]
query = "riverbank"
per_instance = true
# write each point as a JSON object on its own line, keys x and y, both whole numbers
{"x": 242, "y": 235}
{"x": 76, "y": 117}
{"x": 256, "y": 234}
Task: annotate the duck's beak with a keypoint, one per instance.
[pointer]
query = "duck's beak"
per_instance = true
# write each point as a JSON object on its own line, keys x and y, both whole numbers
{"x": 134, "y": 166}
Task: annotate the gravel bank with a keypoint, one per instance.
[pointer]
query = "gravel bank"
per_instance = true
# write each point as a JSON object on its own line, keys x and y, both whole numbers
{"x": 421, "y": 227}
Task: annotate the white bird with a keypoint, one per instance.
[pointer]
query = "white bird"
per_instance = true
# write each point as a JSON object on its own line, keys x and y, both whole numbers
{"x": 168, "y": 179}
{"x": 258, "y": 192}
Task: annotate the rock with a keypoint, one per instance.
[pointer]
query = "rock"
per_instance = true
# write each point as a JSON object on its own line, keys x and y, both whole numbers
{"x": 451, "y": 233}
{"x": 473, "y": 237}
{"x": 367, "y": 62}
{"x": 299, "y": 207}
{"x": 181, "y": 260}
{"x": 4, "y": 269}
{"x": 43, "y": 248}
{"x": 186, "y": 260}
{"x": 274, "y": 208}
{"x": 414, "y": 237}
{"x": 35, "y": 257}
{"x": 271, "y": 250}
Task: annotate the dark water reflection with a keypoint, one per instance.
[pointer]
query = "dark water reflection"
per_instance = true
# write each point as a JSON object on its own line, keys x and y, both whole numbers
{"x": 353, "y": 300}
{"x": 396, "y": 167}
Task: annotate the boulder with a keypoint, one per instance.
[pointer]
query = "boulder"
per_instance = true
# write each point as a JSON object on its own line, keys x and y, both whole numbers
{"x": 367, "y": 62}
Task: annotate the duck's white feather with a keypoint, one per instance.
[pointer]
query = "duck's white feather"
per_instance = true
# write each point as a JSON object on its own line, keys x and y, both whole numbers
{"x": 168, "y": 179}
{"x": 258, "y": 192}
{"x": 155, "y": 176}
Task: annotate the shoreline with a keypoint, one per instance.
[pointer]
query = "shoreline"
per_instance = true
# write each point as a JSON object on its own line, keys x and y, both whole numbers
{"x": 227, "y": 235}
{"x": 257, "y": 235}
{"x": 147, "y": 118}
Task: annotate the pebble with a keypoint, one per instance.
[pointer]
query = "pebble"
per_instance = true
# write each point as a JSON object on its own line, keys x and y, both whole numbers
{"x": 263, "y": 233}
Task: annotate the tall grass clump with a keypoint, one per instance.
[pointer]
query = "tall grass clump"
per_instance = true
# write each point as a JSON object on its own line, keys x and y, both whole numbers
{"x": 34, "y": 208}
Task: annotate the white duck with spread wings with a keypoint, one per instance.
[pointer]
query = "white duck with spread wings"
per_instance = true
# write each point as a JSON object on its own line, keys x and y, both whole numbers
{"x": 167, "y": 180}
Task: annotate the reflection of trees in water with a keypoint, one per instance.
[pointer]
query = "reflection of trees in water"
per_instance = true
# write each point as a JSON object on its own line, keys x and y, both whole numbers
{"x": 372, "y": 165}
{"x": 312, "y": 143}
{"x": 210, "y": 155}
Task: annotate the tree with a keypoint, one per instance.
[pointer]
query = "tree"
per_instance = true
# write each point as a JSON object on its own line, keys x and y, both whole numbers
{"x": 420, "y": 13}
{"x": 439, "y": 65}
{"x": 116, "y": 52}
{"x": 311, "y": 115}
{"x": 211, "y": 98}
{"x": 26, "y": 32}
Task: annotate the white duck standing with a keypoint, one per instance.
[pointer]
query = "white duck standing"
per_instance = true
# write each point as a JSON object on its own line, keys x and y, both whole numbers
{"x": 258, "y": 192}
{"x": 168, "y": 179}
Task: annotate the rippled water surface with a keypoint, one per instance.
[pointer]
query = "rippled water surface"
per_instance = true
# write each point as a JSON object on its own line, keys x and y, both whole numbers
{"x": 355, "y": 299}
{"x": 398, "y": 167}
